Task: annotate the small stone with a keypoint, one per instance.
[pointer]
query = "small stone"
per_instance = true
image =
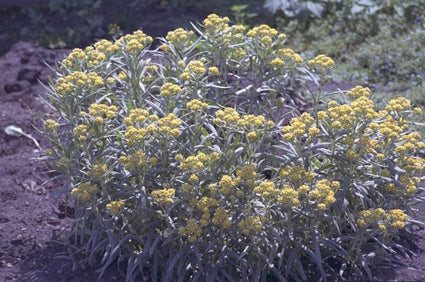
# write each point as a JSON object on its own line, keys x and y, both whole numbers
{"x": 18, "y": 240}
{"x": 26, "y": 203}
{"x": 9, "y": 88}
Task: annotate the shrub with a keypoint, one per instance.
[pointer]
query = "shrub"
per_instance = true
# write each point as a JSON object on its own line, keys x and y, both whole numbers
{"x": 191, "y": 161}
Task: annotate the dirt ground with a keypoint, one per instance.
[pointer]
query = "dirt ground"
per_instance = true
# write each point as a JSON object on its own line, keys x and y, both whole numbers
{"x": 32, "y": 217}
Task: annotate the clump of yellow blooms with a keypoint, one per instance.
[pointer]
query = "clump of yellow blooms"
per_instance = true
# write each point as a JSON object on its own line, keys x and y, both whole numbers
{"x": 84, "y": 191}
{"x": 169, "y": 125}
{"x": 193, "y": 163}
{"x": 370, "y": 216}
{"x": 358, "y": 92}
{"x": 191, "y": 230}
{"x": 135, "y": 161}
{"x": 193, "y": 71}
{"x": 398, "y": 105}
{"x": 164, "y": 196}
{"x": 324, "y": 194}
{"x": 213, "y": 71}
{"x": 299, "y": 127}
{"x": 226, "y": 184}
{"x": 195, "y": 105}
{"x": 214, "y": 24}
{"x": 396, "y": 218}
{"x": 321, "y": 61}
{"x": 99, "y": 170}
{"x": 106, "y": 46}
{"x": 289, "y": 196}
{"x": 277, "y": 63}
{"x": 170, "y": 89}
{"x": 50, "y": 125}
{"x": 80, "y": 132}
{"x": 221, "y": 218}
{"x": 178, "y": 38}
{"x": 295, "y": 174}
{"x": 135, "y": 41}
{"x": 77, "y": 80}
{"x": 250, "y": 225}
{"x": 263, "y": 34}
{"x": 228, "y": 116}
{"x": 115, "y": 206}
{"x": 102, "y": 110}
{"x": 288, "y": 53}
{"x": 393, "y": 219}
{"x": 267, "y": 190}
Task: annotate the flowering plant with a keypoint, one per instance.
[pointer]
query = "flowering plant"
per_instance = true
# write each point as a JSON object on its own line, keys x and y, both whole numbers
{"x": 192, "y": 161}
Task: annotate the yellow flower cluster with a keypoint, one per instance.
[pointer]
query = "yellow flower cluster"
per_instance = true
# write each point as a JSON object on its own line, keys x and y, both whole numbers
{"x": 135, "y": 41}
{"x": 191, "y": 230}
{"x": 213, "y": 71}
{"x": 371, "y": 216}
{"x": 102, "y": 110}
{"x": 246, "y": 172}
{"x": 164, "y": 196}
{"x": 195, "y": 105}
{"x": 398, "y": 105}
{"x": 193, "y": 71}
{"x": 80, "y": 132}
{"x": 206, "y": 203}
{"x": 50, "y": 125}
{"x": 250, "y": 225}
{"x": 296, "y": 174}
{"x": 192, "y": 163}
{"x": 358, "y": 91}
{"x": 170, "y": 89}
{"x": 267, "y": 190}
{"x": 288, "y": 53}
{"x": 228, "y": 116}
{"x": 84, "y": 191}
{"x": 364, "y": 108}
{"x": 277, "y": 63}
{"x": 321, "y": 61}
{"x": 340, "y": 116}
{"x": 99, "y": 170}
{"x": 324, "y": 194}
{"x": 169, "y": 125}
{"x": 115, "y": 206}
{"x": 411, "y": 183}
{"x": 263, "y": 34}
{"x": 94, "y": 57}
{"x": 299, "y": 127}
{"x": 135, "y": 161}
{"x": 77, "y": 80}
{"x": 214, "y": 24}
{"x": 226, "y": 184}
{"x": 136, "y": 116}
{"x": 397, "y": 218}
{"x": 221, "y": 218}
{"x": 288, "y": 196}
{"x": 252, "y": 121}
{"x": 179, "y": 38}
{"x": 134, "y": 135}
{"x": 106, "y": 46}
{"x": 237, "y": 54}
{"x": 391, "y": 128}
{"x": 394, "y": 219}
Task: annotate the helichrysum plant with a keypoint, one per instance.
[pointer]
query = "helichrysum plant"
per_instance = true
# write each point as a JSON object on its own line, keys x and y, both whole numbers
{"x": 192, "y": 162}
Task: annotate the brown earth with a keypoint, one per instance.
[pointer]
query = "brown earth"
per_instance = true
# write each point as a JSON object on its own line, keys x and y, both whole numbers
{"x": 31, "y": 214}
